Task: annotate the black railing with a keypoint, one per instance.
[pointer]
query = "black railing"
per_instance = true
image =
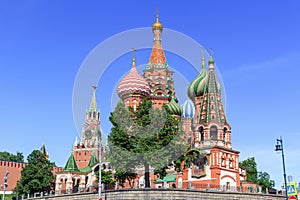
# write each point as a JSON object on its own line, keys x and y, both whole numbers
{"x": 183, "y": 186}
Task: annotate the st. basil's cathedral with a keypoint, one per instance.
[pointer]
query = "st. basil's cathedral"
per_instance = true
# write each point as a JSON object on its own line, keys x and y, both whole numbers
{"x": 202, "y": 118}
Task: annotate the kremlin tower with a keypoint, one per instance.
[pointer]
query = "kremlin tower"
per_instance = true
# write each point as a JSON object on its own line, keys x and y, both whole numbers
{"x": 80, "y": 168}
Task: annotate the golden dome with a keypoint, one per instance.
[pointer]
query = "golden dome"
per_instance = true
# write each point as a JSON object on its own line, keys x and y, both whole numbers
{"x": 157, "y": 24}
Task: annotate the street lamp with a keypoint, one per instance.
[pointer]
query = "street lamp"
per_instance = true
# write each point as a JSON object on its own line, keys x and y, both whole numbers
{"x": 279, "y": 147}
{"x": 5, "y": 184}
{"x": 100, "y": 166}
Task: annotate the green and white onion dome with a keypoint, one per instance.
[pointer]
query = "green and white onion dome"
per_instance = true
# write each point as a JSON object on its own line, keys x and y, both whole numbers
{"x": 188, "y": 109}
{"x": 174, "y": 107}
{"x": 198, "y": 86}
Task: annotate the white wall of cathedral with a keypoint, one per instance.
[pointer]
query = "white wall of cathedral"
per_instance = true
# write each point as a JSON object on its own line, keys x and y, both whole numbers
{"x": 228, "y": 178}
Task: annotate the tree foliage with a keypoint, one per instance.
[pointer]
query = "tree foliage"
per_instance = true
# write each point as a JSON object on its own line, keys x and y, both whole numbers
{"x": 144, "y": 137}
{"x": 18, "y": 157}
{"x": 251, "y": 169}
{"x": 106, "y": 177}
{"x": 264, "y": 181}
{"x": 260, "y": 178}
{"x": 37, "y": 176}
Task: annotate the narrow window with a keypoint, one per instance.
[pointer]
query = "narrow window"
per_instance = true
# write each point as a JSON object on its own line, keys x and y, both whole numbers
{"x": 201, "y": 130}
{"x": 224, "y": 134}
{"x": 213, "y": 132}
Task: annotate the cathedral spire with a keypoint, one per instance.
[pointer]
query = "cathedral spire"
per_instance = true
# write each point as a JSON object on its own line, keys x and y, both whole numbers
{"x": 93, "y": 104}
{"x": 158, "y": 73}
{"x": 157, "y": 57}
{"x": 212, "y": 107}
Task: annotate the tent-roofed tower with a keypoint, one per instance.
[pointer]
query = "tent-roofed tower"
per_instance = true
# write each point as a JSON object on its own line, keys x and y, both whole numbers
{"x": 91, "y": 134}
{"x": 211, "y": 131}
{"x": 158, "y": 73}
{"x": 210, "y": 122}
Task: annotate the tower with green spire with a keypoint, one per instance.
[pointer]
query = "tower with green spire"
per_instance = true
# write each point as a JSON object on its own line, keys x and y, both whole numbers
{"x": 211, "y": 131}
{"x": 90, "y": 136}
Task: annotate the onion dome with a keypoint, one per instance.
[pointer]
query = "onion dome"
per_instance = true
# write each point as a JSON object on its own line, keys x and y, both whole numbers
{"x": 174, "y": 107}
{"x": 188, "y": 109}
{"x": 157, "y": 24}
{"x": 133, "y": 83}
{"x": 198, "y": 86}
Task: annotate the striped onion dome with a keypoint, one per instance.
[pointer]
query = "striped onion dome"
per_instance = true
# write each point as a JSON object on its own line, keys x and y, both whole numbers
{"x": 174, "y": 107}
{"x": 133, "y": 83}
{"x": 197, "y": 86}
{"x": 188, "y": 109}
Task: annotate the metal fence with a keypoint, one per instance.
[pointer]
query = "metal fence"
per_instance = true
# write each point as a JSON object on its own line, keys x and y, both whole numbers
{"x": 184, "y": 186}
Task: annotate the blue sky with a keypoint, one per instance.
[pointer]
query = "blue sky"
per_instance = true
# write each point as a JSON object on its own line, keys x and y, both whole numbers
{"x": 256, "y": 48}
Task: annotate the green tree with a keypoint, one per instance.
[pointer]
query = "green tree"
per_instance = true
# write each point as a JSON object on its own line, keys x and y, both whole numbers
{"x": 106, "y": 177}
{"x": 265, "y": 182}
{"x": 251, "y": 169}
{"x": 18, "y": 157}
{"x": 260, "y": 178}
{"x": 144, "y": 137}
{"x": 37, "y": 176}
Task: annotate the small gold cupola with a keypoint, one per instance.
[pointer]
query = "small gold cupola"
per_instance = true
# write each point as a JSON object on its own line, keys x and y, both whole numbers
{"x": 157, "y": 24}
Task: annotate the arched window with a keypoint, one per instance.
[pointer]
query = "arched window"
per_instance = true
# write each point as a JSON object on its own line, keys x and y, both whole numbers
{"x": 213, "y": 132}
{"x": 224, "y": 133}
{"x": 201, "y": 130}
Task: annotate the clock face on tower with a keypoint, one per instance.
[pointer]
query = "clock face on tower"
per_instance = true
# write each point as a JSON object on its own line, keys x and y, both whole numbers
{"x": 88, "y": 133}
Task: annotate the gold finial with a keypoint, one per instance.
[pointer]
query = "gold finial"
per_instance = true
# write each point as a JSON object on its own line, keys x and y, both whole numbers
{"x": 157, "y": 24}
{"x": 203, "y": 59}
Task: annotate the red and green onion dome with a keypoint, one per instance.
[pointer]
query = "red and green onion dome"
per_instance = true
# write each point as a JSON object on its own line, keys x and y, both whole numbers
{"x": 174, "y": 107}
{"x": 133, "y": 83}
{"x": 197, "y": 86}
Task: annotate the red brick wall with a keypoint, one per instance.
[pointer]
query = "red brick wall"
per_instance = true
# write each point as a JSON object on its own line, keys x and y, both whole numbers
{"x": 14, "y": 169}
{"x": 14, "y": 175}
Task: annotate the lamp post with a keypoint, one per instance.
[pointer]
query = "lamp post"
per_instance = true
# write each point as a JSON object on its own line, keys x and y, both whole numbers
{"x": 5, "y": 184}
{"x": 100, "y": 167}
{"x": 279, "y": 147}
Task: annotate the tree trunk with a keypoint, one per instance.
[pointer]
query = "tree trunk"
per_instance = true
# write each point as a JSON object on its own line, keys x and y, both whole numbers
{"x": 147, "y": 176}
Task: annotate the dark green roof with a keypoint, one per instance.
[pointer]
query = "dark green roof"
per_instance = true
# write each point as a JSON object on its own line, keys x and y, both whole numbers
{"x": 93, "y": 160}
{"x": 166, "y": 178}
{"x": 71, "y": 165}
{"x": 85, "y": 170}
